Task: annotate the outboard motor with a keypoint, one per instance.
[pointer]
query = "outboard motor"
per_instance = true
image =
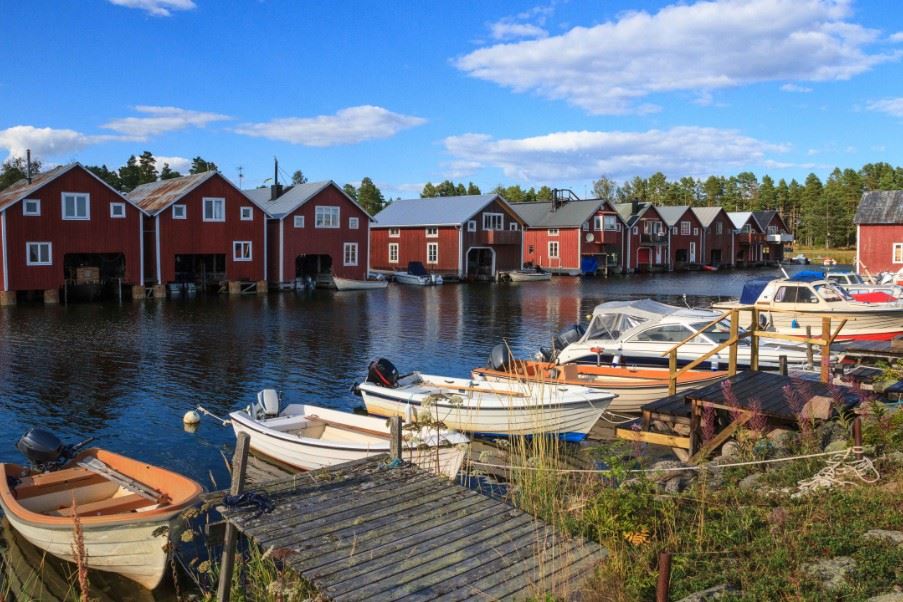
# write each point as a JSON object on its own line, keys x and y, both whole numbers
{"x": 40, "y": 447}
{"x": 268, "y": 402}
{"x": 383, "y": 372}
{"x": 500, "y": 358}
{"x": 569, "y": 335}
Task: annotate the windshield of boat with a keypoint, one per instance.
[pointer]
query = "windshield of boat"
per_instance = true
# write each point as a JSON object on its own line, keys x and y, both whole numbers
{"x": 831, "y": 293}
{"x": 718, "y": 333}
{"x": 610, "y": 327}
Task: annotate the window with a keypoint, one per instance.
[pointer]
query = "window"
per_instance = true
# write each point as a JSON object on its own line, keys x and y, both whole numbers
{"x": 610, "y": 222}
{"x": 553, "y": 249}
{"x": 76, "y": 205}
{"x": 349, "y": 253}
{"x": 117, "y": 210}
{"x": 493, "y": 221}
{"x": 393, "y": 252}
{"x": 598, "y": 222}
{"x": 673, "y": 229}
{"x": 635, "y": 230}
{"x": 394, "y": 232}
{"x": 214, "y": 210}
{"x": 585, "y": 226}
{"x": 685, "y": 228}
{"x": 746, "y": 229}
{"x": 38, "y": 253}
{"x": 898, "y": 252}
{"x": 299, "y": 221}
{"x": 513, "y": 226}
{"x": 432, "y": 252}
{"x": 472, "y": 225}
{"x": 178, "y": 212}
{"x": 241, "y": 250}
{"x": 247, "y": 214}
{"x": 353, "y": 223}
{"x": 31, "y": 207}
{"x": 719, "y": 228}
{"x": 553, "y": 231}
{"x": 772, "y": 229}
{"x": 326, "y": 217}
{"x": 669, "y": 333}
{"x": 695, "y": 231}
{"x": 795, "y": 294}
{"x": 432, "y": 232}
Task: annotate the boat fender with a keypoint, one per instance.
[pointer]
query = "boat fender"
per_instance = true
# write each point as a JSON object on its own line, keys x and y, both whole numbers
{"x": 714, "y": 364}
{"x": 191, "y": 417}
{"x": 383, "y": 372}
{"x": 500, "y": 358}
{"x": 616, "y": 360}
{"x": 794, "y": 323}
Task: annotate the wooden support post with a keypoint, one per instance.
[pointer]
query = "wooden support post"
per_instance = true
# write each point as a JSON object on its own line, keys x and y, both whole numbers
{"x": 262, "y": 287}
{"x": 782, "y": 365}
{"x": 159, "y": 291}
{"x": 395, "y": 437}
{"x": 7, "y": 298}
{"x": 732, "y": 354}
{"x": 239, "y": 463}
{"x": 138, "y": 292}
{"x": 695, "y": 423}
{"x": 809, "y": 362}
{"x": 857, "y": 437}
{"x": 754, "y": 341}
{"x": 663, "y": 586}
{"x": 52, "y": 296}
{"x": 672, "y": 372}
{"x": 826, "y": 350}
{"x": 234, "y": 287}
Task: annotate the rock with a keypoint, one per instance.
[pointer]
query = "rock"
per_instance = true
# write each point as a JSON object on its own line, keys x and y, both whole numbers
{"x": 831, "y": 572}
{"x": 884, "y": 535}
{"x": 784, "y": 441}
{"x": 889, "y": 597}
{"x": 751, "y": 482}
{"x": 681, "y": 429}
{"x": 713, "y": 593}
{"x": 894, "y": 458}
{"x": 828, "y": 432}
{"x": 730, "y": 449}
{"x": 838, "y": 445}
{"x": 676, "y": 485}
{"x": 667, "y": 470}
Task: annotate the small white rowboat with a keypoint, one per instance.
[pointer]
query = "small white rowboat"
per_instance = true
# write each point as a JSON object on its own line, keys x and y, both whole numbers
{"x": 347, "y": 284}
{"x": 529, "y": 276}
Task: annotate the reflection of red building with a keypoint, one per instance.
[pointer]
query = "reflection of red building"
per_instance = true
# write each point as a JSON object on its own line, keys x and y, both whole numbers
{"x": 646, "y": 247}
{"x": 777, "y": 234}
{"x": 717, "y": 236}
{"x": 879, "y": 232}
{"x": 749, "y": 239}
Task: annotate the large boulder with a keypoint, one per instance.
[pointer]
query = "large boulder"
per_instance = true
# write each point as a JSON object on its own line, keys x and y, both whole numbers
{"x": 832, "y": 572}
{"x": 884, "y": 535}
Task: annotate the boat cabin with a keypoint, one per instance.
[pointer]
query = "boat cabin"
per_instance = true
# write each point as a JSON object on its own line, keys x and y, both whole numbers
{"x": 806, "y": 288}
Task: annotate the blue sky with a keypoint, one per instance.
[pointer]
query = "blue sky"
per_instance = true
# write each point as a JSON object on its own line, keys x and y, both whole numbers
{"x": 493, "y": 92}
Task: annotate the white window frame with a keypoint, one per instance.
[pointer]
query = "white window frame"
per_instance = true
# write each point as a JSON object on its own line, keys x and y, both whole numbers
{"x": 772, "y": 229}
{"x": 215, "y": 201}
{"x": 28, "y": 247}
{"x": 472, "y": 225}
{"x": 241, "y": 256}
{"x": 495, "y": 221}
{"x": 635, "y": 230}
{"x": 298, "y": 221}
{"x": 719, "y": 228}
{"x": 327, "y": 217}
{"x": 432, "y": 249}
{"x": 897, "y": 253}
{"x": 36, "y": 203}
{"x": 77, "y": 195}
{"x": 685, "y": 227}
{"x": 246, "y": 214}
{"x": 349, "y": 246}
{"x": 553, "y": 231}
{"x": 695, "y": 231}
{"x": 179, "y": 212}
{"x": 553, "y": 244}
{"x": 393, "y": 250}
{"x": 432, "y": 232}
{"x": 514, "y": 226}
{"x": 113, "y": 207}
{"x": 673, "y": 229}
{"x": 354, "y": 223}
{"x": 613, "y": 219}
{"x": 394, "y": 232}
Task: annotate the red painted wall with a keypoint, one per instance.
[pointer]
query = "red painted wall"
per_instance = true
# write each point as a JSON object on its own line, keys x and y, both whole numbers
{"x": 775, "y": 250}
{"x": 721, "y": 242}
{"x": 310, "y": 240}
{"x": 412, "y": 247}
{"x": 604, "y": 241}
{"x": 638, "y": 257}
{"x": 195, "y": 236}
{"x": 876, "y": 244}
{"x": 505, "y": 242}
{"x": 538, "y": 240}
{"x": 100, "y": 234}
{"x": 681, "y": 242}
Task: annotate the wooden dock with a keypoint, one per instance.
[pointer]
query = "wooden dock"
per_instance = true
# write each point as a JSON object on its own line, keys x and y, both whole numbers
{"x": 374, "y": 530}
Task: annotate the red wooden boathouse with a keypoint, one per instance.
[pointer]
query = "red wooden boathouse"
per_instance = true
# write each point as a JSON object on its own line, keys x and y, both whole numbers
{"x": 646, "y": 247}
{"x": 749, "y": 239}
{"x": 879, "y": 232}
{"x": 66, "y": 226}
{"x": 777, "y": 234}
{"x": 685, "y": 236}
{"x": 717, "y": 236}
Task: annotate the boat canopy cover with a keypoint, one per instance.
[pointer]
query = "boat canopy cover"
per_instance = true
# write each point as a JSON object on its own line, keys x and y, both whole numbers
{"x": 589, "y": 265}
{"x": 649, "y": 309}
{"x": 752, "y": 289}
{"x": 416, "y": 268}
{"x": 807, "y": 276}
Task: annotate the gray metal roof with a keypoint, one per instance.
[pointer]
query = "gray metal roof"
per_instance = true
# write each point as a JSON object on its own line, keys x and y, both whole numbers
{"x": 739, "y": 218}
{"x": 571, "y": 214}
{"x": 261, "y": 196}
{"x": 707, "y": 215}
{"x": 293, "y": 198}
{"x": 880, "y": 207}
{"x": 625, "y": 210}
{"x": 764, "y": 217}
{"x": 434, "y": 211}
{"x": 672, "y": 213}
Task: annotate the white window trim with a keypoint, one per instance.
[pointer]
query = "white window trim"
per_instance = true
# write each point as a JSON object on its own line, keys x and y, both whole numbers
{"x": 553, "y": 231}
{"x": 488, "y": 225}
{"x": 514, "y": 227}
{"x": 472, "y": 225}
{"x": 635, "y": 230}
{"x": 298, "y": 221}
{"x": 432, "y": 245}
{"x": 183, "y": 209}
{"x": 695, "y": 231}
{"x": 345, "y": 248}
{"x": 250, "y": 256}
{"x": 246, "y": 211}
{"x": 117, "y": 206}
{"x": 557, "y": 254}
{"x": 37, "y": 204}
{"x": 214, "y": 200}
{"x": 685, "y": 228}
{"x": 432, "y": 232}
{"x": 28, "y": 260}
{"x": 719, "y": 228}
{"x": 393, "y": 246}
{"x": 354, "y": 223}
{"x": 673, "y": 229}
{"x": 394, "y": 232}
{"x": 338, "y": 217}
{"x": 893, "y": 257}
{"x": 87, "y": 206}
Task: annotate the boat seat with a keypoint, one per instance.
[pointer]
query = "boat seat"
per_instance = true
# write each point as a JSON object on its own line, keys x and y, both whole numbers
{"x": 114, "y": 505}
{"x": 54, "y": 482}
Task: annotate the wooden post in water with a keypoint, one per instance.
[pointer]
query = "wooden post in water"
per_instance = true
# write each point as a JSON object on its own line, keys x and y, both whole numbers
{"x": 672, "y": 372}
{"x": 857, "y": 437}
{"x": 732, "y": 354}
{"x": 239, "y": 463}
{"x": 782, "y": 365}
{"x": 809, "y": 361}
{"x": 754, "y": 340}
{"x": 664, "y": 577}
{"x": 395, "y": 437}
{"x": 826, "y": 350}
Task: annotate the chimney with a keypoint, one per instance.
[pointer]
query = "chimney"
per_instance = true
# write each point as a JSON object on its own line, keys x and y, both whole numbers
{"x": 28, "y": 165}
{"x": 556, "y": 199}
{"x": 276, "y": 188}
{"x": 634, "y": 207}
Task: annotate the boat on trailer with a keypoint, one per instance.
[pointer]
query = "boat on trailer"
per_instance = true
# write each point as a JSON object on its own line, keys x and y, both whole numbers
{"x": 129, "y": 511}
{"x": 310, "y": 437}
{"x": 483, "y": 407}
{"x": 349, "y": 284}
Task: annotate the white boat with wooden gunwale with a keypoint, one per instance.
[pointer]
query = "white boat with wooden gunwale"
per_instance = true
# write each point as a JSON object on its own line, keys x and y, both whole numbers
{"x": 349, "y": 284}
{"x": 417, "y": 275}
{"x": 535, "y": 275}
{"x": 310, "y": 437}
{"x": 128, "y": 511}
{"x": 485, "y": 408}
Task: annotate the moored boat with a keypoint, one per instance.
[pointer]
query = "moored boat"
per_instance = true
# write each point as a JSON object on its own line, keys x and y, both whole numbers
{"x": 535, "y": 275}
{"x": 128, "y": 510}
{"x": 310, "y": 437}
{"x": 417, "y": 275}
{"x": 485, "y": 408}
{"x": 348, "y": 284}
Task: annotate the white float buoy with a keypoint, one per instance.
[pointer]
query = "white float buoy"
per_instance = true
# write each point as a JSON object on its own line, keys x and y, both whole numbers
{"x": 191, "y": 417}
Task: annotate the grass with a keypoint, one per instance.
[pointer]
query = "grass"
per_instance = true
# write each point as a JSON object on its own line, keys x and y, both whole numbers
{"x": 817, "y": 254}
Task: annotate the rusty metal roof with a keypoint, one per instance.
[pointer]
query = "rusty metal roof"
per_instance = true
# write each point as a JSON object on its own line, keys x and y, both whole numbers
{"x": 154, "y": 197}
{"x": 880, "y": 207}
{"x": 22, "y": 189}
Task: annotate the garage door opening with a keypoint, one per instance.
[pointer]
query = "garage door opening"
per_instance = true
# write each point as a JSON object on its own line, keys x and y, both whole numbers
{"x": 93, "y": 276}
{"x": 313, "y": 270}
{"x": 206, "y": 271}
{"x": 481, "y": 263}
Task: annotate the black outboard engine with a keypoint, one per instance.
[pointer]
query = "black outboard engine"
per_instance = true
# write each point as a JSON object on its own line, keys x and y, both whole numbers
{"x": 383, "y": 372}
{"x": 569, "y": 335}
{"x": 500, "y": 358}
{"x": 42, "y": 448}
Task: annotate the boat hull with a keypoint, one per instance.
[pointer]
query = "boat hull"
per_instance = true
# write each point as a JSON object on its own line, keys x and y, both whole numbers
{"x": 529, "y": 276}
{"x": 347, "y": 284}
{"x": 874, "y": 325}
{"x": 405, "y": 278}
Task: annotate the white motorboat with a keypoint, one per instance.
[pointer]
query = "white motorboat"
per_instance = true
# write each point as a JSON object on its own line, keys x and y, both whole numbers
{"x": 861, "y": 290}
{"x": 641, "y": 332}
{"x": 347, "y": 284}
{"x": 535, "y": 275}
{"x": 805, "y": 298}
{"x": 310, "y": 437}
{"x": 485, "y": 408}
{"x": 417, "y": 275}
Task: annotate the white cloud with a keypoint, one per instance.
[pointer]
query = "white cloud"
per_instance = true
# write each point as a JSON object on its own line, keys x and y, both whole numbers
{"x": 562, "y": 156}
{"x": 157, "y": 8}
{"x": 513, "y": 31}
{"x": 180, "y": 164}
{"x": 608, "y": 68}
{"x": 795, "y": 88}
{"x": 161, "y": 120}
{"x": 46, "y": 142}
{"x": 347, "y": 126}
{"x": 891, "y": 106}
{"x": 896, "y": 37}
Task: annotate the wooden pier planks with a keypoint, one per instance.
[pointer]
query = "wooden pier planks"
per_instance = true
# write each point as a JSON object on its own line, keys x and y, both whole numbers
{"x": 365, "y": 530}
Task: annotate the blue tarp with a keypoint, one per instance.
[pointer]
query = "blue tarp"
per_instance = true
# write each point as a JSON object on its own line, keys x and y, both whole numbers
{"x": 589, "y": 265}
{"x": 752, "y": 289}
{"x": 807, "y": 276}
{"x": 416, "y": 268}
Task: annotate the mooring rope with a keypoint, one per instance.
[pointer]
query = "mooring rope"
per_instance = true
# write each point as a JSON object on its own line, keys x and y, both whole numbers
{"x": 840, "y": 472}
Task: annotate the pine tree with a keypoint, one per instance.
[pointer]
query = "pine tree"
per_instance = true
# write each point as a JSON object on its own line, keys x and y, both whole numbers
{"x": 199, "y": 165}
{"x": 369, "y": 197}
{"x": 107, "y": 175}
{"x": 16, "y": 169}
{"x": 473, "y": 189}
{"x": 350, "y": 191}
{"x": 130, "y": 174}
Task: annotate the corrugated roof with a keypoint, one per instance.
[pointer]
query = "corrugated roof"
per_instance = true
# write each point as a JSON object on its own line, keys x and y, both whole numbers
{"x": 739, "y": 218}
{"x": 261, "y": 196}
{"x": 880, "y": 207}
{"x": 625, "y": 210}
{"x": 571, "y": 214}
{"x": 154, "y": 197}
{"x": 672, "y": 213}
{"x": 707, "y": 215}
{"x": 22, "y": 189}
{"x": 434, "y": 211}
{"x": 294, "y": 197}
